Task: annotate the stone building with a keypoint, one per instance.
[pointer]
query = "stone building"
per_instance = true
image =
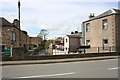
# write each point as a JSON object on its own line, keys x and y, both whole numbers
{"x": 102, "y": 32}
{"x": 35, "y": 42}
{"x": 12, "y": 36}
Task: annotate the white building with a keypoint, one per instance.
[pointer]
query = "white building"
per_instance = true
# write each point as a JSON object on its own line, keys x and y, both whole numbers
{"x": 72, "y": 43}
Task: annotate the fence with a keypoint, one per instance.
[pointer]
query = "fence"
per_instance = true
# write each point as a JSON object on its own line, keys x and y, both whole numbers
{"x": 84, "y": 50}
{"x": 100, "y": 49}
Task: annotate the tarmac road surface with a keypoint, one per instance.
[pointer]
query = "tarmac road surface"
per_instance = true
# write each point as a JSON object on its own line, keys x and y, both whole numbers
{"x": 82, "y": 69}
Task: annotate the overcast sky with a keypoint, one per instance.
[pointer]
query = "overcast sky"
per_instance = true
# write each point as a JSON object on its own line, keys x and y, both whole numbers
{"x": 59, "y": 17}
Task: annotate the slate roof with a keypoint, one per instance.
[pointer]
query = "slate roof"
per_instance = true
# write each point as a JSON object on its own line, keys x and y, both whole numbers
{"x": 107, "y": 13}
{"x": 4, "y": 22}
{"x": 74, "y": 36}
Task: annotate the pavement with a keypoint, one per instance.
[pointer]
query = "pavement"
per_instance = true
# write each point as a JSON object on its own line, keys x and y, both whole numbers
{"x": 5, "y": 63}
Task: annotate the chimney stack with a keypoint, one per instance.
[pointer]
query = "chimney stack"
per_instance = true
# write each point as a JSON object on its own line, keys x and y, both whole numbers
{"x": 76, "y": 32}
{"x": 91, "y": 15}
{"x": 72, "y": 32}
{"x": 16, "y": 23}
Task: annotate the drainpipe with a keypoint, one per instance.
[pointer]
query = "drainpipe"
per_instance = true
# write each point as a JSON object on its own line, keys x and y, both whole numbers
{"x": 83, "y": 35}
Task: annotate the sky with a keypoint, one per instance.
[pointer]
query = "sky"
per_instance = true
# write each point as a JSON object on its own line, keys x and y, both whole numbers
{"x": 59, "y": 17}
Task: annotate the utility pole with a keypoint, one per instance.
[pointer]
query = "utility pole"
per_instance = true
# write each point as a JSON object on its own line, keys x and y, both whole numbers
{"x": 19, "y": 12}
{"x": 19, "y": 22}
{"x": 119, "y": 5}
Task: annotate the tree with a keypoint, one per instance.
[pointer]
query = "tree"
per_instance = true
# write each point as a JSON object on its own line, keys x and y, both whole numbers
{"x": 43, "y": 33}
{"x": 47, "y": 43}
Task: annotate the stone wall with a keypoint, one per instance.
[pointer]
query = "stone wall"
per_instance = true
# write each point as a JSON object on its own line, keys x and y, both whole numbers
{"x": 35, "y": 41}
{"x": 117, "y": 21}
{"x": 97, "y": 34}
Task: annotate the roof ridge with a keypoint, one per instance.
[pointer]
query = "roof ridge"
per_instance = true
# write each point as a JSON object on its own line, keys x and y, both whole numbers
{"x": 113, "y": 10}
{"x": 106, "y": 13}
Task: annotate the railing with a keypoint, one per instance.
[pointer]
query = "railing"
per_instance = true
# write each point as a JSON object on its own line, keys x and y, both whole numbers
{"x": 80, "y": 51}
{"x": 100, "y": 49}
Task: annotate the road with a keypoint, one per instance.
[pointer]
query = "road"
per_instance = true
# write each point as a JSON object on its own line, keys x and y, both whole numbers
{"x": 81, "y": 69}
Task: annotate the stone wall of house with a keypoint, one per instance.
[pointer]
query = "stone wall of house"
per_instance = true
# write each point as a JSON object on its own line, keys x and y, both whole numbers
{"x": 12, "y": 36}
{"x": 6, "y": 36}
{"x": 97, "y": 34}
{"x": 117, "y": 21}
{"x": 35, "y": 41}
{"x": 0, "y": 35}
{"x": 74, "y": 44}
{"x": 24, "y": 41}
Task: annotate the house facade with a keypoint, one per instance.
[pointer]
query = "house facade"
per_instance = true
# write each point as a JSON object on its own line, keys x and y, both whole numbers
{"x": 11, "y": 36}
{"x": 72, "y": 42}
{"x": 102, "y": 32}
{"x": 35, "y": 42}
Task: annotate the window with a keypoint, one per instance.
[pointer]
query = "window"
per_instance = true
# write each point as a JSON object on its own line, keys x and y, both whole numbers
{"x": 66, "y": 49}
{"x": 88, "y": 42}
{"x": 13, "y": 36}
{"x": 105, "y": 44}
{"x": 66, "y": 40}
{"x": 35, "y": 46}
{"x": 105, "y": 24}
{"x": 88, "y": 27}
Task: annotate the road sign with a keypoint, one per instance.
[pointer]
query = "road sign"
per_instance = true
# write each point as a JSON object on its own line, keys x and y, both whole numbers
{"x": 7, "y": 52}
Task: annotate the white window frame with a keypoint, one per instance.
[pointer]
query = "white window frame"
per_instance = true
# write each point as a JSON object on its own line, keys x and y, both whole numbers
{"x": 87, "y": 42}
{"x": 105, "y": 24}
{"x": 13, "y": 36}
{"x": 105, "y": 45}
{"x": 88, "y": 27}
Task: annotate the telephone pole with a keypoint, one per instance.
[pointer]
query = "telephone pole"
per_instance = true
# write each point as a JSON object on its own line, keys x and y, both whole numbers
{"x": 19, "y": 12}
{"x": 19, "y": 22}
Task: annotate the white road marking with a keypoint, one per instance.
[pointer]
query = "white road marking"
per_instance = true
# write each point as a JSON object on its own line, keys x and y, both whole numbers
{"x": 39, "y": 76}
{"x": 114, "y": 68}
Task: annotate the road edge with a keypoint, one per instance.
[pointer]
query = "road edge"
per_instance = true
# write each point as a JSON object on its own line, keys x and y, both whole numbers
{"x": 6, "y": 63}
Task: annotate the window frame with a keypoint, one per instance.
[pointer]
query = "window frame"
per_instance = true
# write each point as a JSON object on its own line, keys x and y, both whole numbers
{"x": 66, "y": 40}
{"x": 87, "y": 42}
{"x": 88, "y": 27}
{"x": 13, "y": 36}
{"x": 105, "y": 45}
{"x": 105, "y": 24}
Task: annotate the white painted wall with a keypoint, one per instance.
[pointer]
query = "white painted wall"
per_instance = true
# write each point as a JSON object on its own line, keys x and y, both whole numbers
{"x": 72, "y": 44}
{"x": 66, "y": 44}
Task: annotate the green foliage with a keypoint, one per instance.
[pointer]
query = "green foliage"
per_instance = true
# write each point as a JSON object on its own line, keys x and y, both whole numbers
{"x": 38, "y": 48}
{"x": 85, "y": 45}
{"x": 47, "y": 43}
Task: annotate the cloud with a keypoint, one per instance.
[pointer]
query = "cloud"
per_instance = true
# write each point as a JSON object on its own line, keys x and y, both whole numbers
{"x": 59, "y": 17}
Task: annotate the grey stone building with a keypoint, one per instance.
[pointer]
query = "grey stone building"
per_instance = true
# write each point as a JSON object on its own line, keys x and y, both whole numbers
{"x": 102, "y": 32}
